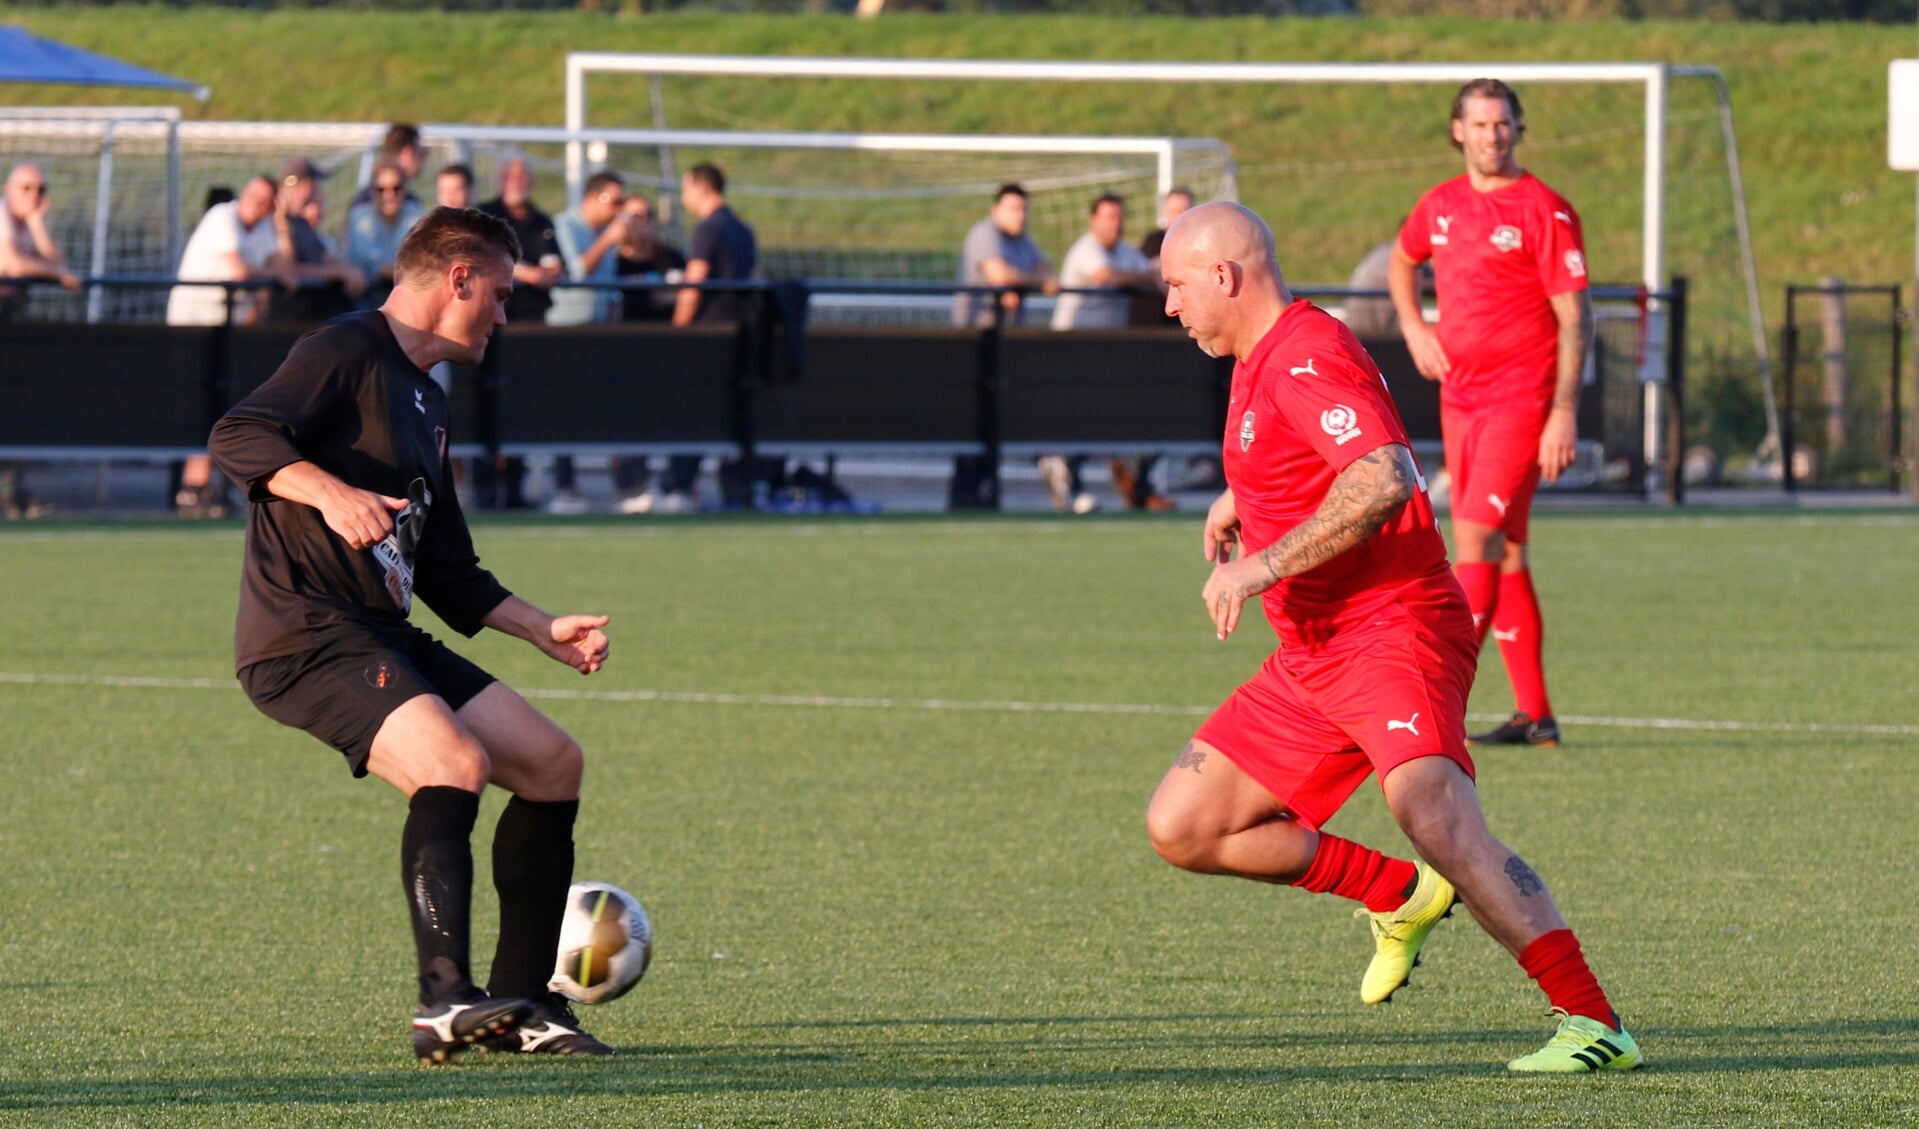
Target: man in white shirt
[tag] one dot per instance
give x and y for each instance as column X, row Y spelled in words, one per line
column 234, row 241
column 1101, row 259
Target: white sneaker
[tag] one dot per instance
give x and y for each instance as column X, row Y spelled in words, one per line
column 566, row 502
column 638, row 503
column 1085, row 503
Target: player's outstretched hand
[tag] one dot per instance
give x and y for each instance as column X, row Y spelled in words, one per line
column 578, row 642
column 1558, row 443
column 361, row 518
column 1222, row 529
column 1429, row 357
column 1230, row 586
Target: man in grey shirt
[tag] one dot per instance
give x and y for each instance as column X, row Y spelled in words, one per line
column 998, row 252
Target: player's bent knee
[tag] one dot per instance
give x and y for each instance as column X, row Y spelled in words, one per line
column 1179, row 834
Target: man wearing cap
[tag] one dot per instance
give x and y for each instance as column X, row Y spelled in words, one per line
column 313, row 261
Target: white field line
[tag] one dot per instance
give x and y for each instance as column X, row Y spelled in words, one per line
column 691, row 697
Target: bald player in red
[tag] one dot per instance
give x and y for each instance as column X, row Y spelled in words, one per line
column 1515, row 322
column 1326, row 523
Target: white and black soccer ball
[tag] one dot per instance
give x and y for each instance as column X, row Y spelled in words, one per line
column 606, row 941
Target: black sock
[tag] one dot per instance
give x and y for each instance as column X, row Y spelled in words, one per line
column 532, row 868
column 436, row 864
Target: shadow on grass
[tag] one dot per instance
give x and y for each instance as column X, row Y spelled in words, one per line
column 956, row 1063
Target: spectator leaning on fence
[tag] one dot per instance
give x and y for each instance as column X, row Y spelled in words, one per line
column 374, row 231
column 642, row 258
column 234, row 241
column 313, row 261
column 1101, row 259
column 998, row 252
column 27, row 250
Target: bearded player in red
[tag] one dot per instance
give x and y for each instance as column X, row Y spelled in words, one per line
column 1515, row 321
column 1376, row 652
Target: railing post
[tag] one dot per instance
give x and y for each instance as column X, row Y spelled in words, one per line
column 1676, row 386
column 1788, row 350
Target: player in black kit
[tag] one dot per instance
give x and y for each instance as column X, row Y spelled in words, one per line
column 344, row 452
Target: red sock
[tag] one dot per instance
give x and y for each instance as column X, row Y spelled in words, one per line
column 1481, row 582
column 1521, row 634
column 1360, row 873
column 1556, row 962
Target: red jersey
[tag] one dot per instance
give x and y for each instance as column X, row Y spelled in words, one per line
column 1305, row 405
column 1498, row 258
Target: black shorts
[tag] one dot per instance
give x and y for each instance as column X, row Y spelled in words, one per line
column 343, row 690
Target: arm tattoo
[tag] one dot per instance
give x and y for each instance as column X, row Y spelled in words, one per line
column 1359, row 503
column 1190, row 757
column 1523, row 877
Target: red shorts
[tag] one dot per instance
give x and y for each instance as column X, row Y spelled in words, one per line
column 1493, row 458
column 1311, row 725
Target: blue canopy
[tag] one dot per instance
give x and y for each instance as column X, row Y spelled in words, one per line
column 26, row 57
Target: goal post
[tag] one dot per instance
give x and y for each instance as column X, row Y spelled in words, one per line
column 1655, row 82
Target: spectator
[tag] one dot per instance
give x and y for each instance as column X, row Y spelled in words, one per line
column 27, row 250
column 589, row 238
column 642, row 258
column 374, row 231
column 236, row 240
column 401, row 146
column 313, row 260
column 453, row 187
column 997, row 252
column 1150, row 309
column 1375, row 318
column 1101, row 259
column 501, row 485
column 540, row 264
column 724, row 250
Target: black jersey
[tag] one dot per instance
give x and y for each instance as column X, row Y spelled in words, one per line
column 348, row 400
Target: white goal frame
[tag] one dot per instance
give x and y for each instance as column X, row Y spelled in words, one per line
column 1654, row 78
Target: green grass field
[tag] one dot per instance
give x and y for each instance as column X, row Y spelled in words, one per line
column 880, row 784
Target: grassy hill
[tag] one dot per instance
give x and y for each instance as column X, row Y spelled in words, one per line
column 1334, row 168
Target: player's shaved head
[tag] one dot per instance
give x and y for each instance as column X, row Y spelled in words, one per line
column 1222, row 277
column 1223, row 230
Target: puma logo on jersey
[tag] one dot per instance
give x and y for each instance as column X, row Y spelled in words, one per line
column 1445, row 224
column 419, row 401
column 1499, row 503
column 1411, row 725
column 1506, row 636
column 1306, row 368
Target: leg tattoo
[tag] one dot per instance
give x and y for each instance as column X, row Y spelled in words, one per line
column 1523, row 877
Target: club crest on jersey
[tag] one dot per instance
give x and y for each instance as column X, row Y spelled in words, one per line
column 1506, row 237
column 1340, row 422
column 1246, row 432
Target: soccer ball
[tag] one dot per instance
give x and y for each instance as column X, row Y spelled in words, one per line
column 606, row 941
